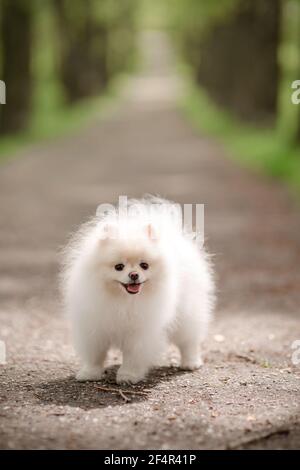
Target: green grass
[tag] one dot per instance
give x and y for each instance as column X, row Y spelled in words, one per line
column 272, row 152
column 269, row 151
column 51, row 119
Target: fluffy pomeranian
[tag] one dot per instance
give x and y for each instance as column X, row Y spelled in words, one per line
column 136, row 283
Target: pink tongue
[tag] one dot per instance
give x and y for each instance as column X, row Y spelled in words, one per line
column 133, row 287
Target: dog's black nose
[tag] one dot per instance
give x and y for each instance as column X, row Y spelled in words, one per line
column 133, row 276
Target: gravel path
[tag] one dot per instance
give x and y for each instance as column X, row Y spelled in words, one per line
column 247, row 395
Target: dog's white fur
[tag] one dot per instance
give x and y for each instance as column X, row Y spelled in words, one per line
column 174, row 304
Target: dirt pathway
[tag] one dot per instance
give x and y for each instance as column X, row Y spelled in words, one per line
column 248, row 392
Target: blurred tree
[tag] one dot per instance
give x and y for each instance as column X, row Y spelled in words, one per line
column 239, row 60
column 290, row 65
column 121, row 21
column 233, row 46
column 16, row 43
column 298, row 64
column 83, row 66
column 297, row 139
column 88, row 30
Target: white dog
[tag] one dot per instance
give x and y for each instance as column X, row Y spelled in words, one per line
column 134, row 283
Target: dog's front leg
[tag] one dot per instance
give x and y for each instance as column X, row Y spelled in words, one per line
column 139, row 355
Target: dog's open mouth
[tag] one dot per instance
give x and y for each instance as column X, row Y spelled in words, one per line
column 133, row 288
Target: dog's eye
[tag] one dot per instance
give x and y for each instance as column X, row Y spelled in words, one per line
column 144, row 265
column 119, row 267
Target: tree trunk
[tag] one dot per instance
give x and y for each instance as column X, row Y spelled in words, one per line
column 238, row 62
column 83, row 65
column 16, row 41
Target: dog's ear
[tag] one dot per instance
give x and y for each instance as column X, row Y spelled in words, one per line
column 108, row 231
column 151, row 232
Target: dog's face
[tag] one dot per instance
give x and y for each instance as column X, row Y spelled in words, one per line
column 130, row 266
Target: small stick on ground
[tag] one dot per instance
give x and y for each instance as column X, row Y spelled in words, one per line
column 118, row 390
column 246, row 358
column 124, row 396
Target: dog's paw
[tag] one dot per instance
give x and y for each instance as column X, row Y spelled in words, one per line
column 128, row 377
column 89, row 373
column 192, row 363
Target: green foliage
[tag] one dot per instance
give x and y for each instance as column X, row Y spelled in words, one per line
column 50, row 114
column 51, row 117
column 154, row 14
column 97, row 41
column 272, row 151
column 197, row 15
column 268, row 151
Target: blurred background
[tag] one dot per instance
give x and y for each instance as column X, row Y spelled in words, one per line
column 60, row 59
column 173, row 97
